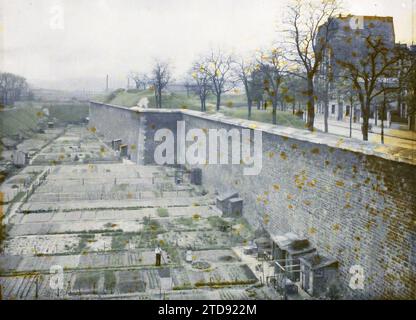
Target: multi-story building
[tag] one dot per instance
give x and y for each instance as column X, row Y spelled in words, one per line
column 347, row 41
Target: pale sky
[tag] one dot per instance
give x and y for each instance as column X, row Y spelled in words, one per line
column 98, row 37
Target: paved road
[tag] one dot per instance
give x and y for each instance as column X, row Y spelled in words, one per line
column 395, row 137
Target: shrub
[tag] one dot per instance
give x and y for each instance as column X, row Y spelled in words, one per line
column 162, row 212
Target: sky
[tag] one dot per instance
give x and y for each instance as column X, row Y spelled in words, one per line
column 74, row 44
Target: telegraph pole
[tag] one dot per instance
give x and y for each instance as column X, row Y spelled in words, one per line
column 106, row 84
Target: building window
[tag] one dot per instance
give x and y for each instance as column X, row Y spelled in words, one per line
column 333, row 109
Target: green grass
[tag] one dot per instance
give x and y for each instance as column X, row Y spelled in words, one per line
column 185, row 221
column 234, row 105
column 283, row 118
column 119, row 241
column 21, row 120
column 109, row 281
column 83, row 241
column 25, row 119
column 68, row 112
column 162, row 212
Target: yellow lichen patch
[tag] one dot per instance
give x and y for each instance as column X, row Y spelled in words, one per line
column 336, row 227
column 300, row 180
column 315, row 151
column 307, row 202
column 61, row 157
column 92, row 129
column 276, row 187
column 347, row 206
column 252, row 126
column 312, row 183
column 290, row 206
column 283, row 155
column 294, row 146
column 102, row 149
column 266, row 219
column 289, row 196
column 339, row 183
column 196, row 216
column 40, row 114
column 271, row 155
column 312, row 230
column 339, row 142
column 133, row 147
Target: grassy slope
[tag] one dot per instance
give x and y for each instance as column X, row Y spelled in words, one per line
column 26, row 118
column 234, row 106
column 69, row 112
column 17, row 121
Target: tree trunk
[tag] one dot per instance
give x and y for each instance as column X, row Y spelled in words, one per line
column 249, row 105
column 310, row 105
column 218, row 101
column 366, row 116
column 156, row 99
column 274, row 112
column 412, row 122
column 326, row 114
column 160, row 98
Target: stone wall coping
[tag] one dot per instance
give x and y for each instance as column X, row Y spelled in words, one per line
column 319, row 138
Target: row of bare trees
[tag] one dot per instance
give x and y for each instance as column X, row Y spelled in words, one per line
column 270, row 75
column 12, row 88
column 299, row 70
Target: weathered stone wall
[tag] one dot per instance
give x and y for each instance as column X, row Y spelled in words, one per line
column 353, row 204
column 117, row 123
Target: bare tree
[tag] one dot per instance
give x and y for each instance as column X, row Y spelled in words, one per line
column 273, row 68
column 308, row 36
column 411, row 93
column 219, row 68
column 159, row 79
column 140, row 80
column 245, row 73
column 202, row 81
column 12, row 88
column 367, row 71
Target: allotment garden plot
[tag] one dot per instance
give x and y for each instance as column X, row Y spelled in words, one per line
column 100, row 218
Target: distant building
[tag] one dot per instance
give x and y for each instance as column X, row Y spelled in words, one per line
column 347, row 40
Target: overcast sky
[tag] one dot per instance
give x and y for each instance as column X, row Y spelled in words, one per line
column 99, row 37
